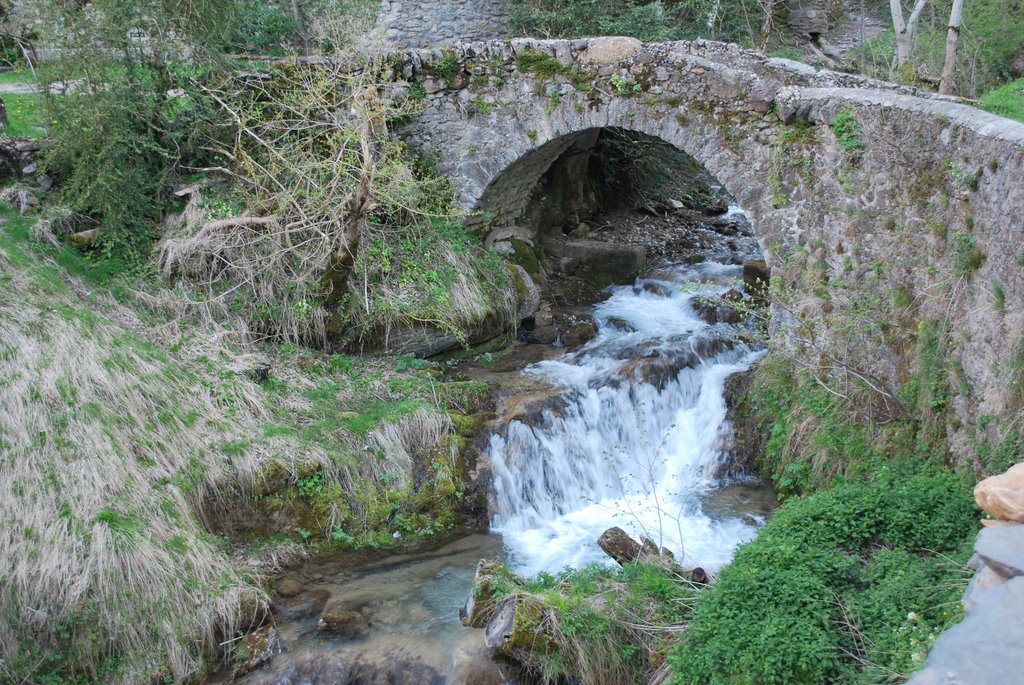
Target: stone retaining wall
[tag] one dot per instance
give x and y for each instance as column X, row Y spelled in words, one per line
column 431, row 23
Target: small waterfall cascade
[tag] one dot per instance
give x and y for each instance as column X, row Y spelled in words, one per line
column 637, row 437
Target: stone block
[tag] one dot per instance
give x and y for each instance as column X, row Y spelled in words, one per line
column 610, row 50
column 1002, row 496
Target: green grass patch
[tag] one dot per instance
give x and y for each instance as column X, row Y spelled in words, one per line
column 1006, row 100
column 24, row 115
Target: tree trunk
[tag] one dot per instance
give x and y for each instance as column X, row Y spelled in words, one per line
column 346, row 249
column 768, row 8
column 902, row 49
column 952, row 36
column 905, row 30
column 300, row 27
column 912, row 22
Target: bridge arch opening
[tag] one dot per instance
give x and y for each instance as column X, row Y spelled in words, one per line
column 606, row 205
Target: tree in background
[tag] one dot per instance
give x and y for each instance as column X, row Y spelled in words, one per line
column 952, row 38
column 125, row 113
column 744, row 21
column 905, row 30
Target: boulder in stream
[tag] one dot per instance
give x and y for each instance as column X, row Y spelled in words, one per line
column 617, row 544
column 343, row 623
column 258, row 647
column 480, row 603
column 300, row 606
column 756, row 277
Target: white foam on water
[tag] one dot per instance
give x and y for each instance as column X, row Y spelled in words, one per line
column 625, row 452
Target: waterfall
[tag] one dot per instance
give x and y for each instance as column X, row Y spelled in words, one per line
column 637, row 440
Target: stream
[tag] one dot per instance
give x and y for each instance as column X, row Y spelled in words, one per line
column 627, row 430
column 637, row 440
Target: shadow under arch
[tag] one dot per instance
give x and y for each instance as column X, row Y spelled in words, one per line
column 560, row 190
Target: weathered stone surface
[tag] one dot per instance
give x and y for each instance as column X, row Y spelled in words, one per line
column 288, row 587
column 985, row 646
column 301, row 606
column 617, row 544
column 258, row 648
column 591, row 257
column 429, row 23
column 1002, row 549
column 1002, row 496
column 579, row 332
column 342, row 622
column 515, row 628
column 762, row 95
column 609, row 50
column 527, row 291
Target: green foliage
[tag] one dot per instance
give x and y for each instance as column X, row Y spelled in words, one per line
column 830, row 584
column 1006, row 100
column 266, row 28
column 967, row 258
column 540, row 64
column 624, row 85
column 117, row 139
column 648, row 21
column 1010, row 451
column 589, row 622
column 439, row 274
column 446, row 67
column 847, row 130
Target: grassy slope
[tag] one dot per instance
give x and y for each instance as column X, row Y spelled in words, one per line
column 122, row 432
column 1006, row 100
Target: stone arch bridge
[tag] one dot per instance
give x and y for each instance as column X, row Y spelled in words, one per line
column 865, row 180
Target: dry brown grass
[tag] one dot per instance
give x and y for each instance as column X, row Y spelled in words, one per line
column 111, row 453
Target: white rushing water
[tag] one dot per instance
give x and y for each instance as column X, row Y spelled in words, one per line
column 639, row 438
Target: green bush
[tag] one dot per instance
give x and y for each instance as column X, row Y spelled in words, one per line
column 117, row 140
column 263, row 27
column 829, row 583
column 116, row 150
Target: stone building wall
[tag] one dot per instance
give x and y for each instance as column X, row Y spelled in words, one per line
column 813, row 16
column 431, row 23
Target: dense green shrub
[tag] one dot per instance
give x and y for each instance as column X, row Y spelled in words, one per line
column 734, row 20
column 116, row 150
column 855, row 575
column 264, row 27
column 116, row 140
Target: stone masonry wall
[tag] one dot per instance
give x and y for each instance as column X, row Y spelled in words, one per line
column 430, row 23
column 813, row 16
column 924, row 179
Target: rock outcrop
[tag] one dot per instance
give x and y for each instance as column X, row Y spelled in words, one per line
column 986, row 646
column 1002, row 496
